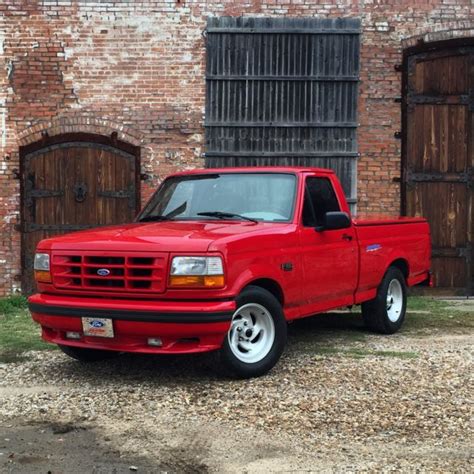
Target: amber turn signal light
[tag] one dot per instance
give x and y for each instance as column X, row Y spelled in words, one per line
column 42, row 276
column 200, row 281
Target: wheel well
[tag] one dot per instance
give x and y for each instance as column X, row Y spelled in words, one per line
column 402, row 265
column 270, row 285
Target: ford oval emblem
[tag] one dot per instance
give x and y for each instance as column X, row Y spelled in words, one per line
column 103, row 272
column 96, row 324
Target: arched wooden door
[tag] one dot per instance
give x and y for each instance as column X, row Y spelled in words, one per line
column 74, row 182
column 438, row 160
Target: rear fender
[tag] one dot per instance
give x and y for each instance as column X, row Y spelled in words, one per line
column 393, row 257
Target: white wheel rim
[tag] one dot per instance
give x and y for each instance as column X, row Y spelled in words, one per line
column 394, row 301
column 251, row 333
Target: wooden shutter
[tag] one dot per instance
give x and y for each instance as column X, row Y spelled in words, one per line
column 283, row 91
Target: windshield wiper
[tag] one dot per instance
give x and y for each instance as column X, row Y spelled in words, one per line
column 180, row 209
column 154, row 218
column 226, row 215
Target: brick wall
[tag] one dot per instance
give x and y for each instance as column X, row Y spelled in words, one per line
column 137, row 67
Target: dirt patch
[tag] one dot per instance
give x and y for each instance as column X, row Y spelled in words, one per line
column 114, row 447
column 57, row 447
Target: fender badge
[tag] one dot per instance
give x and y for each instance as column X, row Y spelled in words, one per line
column 373, row 247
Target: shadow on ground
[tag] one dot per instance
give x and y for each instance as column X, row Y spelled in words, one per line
column 331, row 334
column 315, row 334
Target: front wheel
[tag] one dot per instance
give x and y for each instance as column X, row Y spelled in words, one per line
column 385, row 314
column 257, row 336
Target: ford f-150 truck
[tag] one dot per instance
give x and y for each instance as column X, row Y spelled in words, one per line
column 221, row 260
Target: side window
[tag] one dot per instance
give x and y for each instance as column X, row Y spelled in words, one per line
column 319, row 198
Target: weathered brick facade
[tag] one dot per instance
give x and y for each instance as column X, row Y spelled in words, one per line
column 137, row 67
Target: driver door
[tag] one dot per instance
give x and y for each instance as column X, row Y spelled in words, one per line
column 330, row 262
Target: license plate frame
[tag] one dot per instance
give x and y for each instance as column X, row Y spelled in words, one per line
column 98, row 327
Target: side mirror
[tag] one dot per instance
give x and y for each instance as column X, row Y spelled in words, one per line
column 335, row 220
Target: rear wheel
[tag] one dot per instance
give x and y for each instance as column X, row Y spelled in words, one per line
column 257, row 336
column 385, row 314
column 88, row 355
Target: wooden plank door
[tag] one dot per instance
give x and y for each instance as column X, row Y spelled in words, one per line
column 71, row 186
column 439, row 162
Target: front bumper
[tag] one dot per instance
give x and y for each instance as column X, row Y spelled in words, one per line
column 182, row 326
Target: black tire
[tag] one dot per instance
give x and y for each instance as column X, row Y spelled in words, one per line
column 376, row 311
column 88, row 355
column 235, row 367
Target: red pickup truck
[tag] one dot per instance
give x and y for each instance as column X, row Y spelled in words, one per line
column 221, row 260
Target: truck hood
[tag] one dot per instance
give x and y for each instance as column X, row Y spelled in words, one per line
column 177, row 236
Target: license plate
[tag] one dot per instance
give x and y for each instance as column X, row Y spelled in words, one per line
column 98, row 327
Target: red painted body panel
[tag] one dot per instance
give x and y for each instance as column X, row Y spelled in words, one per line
column 329, row 269
column 131, row 336
column 364, row 221
column 329, row 262
column 382, row 244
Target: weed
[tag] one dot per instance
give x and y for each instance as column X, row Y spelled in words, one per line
column 18, row 332
column 12, row 304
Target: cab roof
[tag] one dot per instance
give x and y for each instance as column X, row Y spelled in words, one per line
column 257, row 169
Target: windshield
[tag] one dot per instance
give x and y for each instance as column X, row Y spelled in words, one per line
column 267, row 197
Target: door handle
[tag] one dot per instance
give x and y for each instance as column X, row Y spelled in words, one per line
column 80, row 192
column 347, row 237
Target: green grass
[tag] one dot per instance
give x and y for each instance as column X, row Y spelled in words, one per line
column 343, row 334
column 12, row 304
column 419, row 303
column 18, row 332
column 435, row 315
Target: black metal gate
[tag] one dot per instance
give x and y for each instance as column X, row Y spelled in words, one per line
column 283, row 91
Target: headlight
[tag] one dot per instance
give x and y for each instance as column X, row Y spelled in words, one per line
column 41, row 261
column 196, row 266
column 41, row 267
column 207, row 272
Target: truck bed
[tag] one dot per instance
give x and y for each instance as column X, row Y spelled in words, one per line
column 386, row 239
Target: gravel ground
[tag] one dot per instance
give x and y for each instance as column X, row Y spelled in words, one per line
column 338, row 401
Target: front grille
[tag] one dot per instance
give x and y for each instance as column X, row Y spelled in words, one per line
column 133, row 272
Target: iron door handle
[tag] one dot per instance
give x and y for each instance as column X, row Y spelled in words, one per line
column 347, row 237
column 80, row 192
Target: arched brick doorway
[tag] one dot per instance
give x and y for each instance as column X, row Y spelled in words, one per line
column 438, row 155
column 71, row 182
